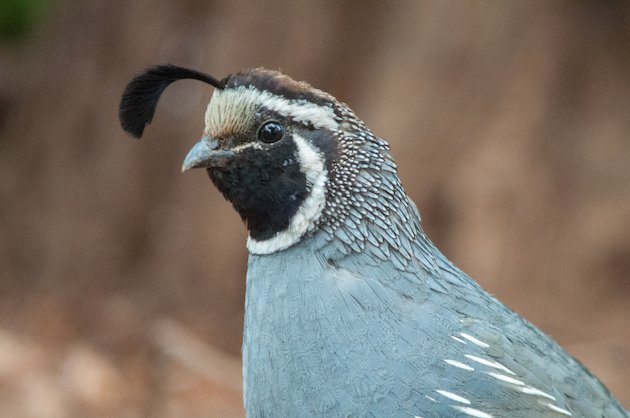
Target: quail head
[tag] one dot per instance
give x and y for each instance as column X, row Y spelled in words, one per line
column 350, row 310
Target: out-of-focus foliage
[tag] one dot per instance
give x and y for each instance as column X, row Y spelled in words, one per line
column 18, row 17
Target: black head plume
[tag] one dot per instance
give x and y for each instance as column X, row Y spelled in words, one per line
column 141, row 95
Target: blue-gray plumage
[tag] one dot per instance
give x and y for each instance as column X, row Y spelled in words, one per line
column 350, row 310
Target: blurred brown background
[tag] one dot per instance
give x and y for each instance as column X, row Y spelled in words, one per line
column 121, row 280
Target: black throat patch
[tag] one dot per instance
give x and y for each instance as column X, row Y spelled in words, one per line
column 266, row 188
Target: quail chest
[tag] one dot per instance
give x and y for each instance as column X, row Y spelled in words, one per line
column 350, row 309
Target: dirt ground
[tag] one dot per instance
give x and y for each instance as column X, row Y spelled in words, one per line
column 122, row 280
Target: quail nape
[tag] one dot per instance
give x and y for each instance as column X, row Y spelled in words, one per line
column 350, row 310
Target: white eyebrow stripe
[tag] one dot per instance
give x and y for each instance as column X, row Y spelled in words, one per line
column 320, row 116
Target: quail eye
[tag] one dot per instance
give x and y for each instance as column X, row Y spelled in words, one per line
column 271, row 132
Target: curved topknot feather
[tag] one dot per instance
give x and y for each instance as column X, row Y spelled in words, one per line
column 141, row 95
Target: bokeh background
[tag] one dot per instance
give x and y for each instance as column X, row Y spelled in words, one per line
column 122, row 280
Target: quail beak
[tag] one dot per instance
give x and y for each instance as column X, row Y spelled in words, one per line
column 206, row 153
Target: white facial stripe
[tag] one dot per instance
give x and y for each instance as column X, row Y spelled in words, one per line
column 234, row 110
column 312, row 165
column 254, row 145
column 302, row 111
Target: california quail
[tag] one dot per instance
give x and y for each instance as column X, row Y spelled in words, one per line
column 350, row 310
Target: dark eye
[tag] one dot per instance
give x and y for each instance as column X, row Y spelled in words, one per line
column 270, row 132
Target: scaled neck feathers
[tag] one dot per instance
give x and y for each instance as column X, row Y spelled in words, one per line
column 367, row 209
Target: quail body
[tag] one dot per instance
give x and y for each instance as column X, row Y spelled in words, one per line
column 350, row 309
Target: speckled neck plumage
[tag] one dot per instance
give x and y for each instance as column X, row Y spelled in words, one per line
column 365, row 201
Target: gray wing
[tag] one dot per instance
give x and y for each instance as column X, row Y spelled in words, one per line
column 493, row 363
column 443, row 347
